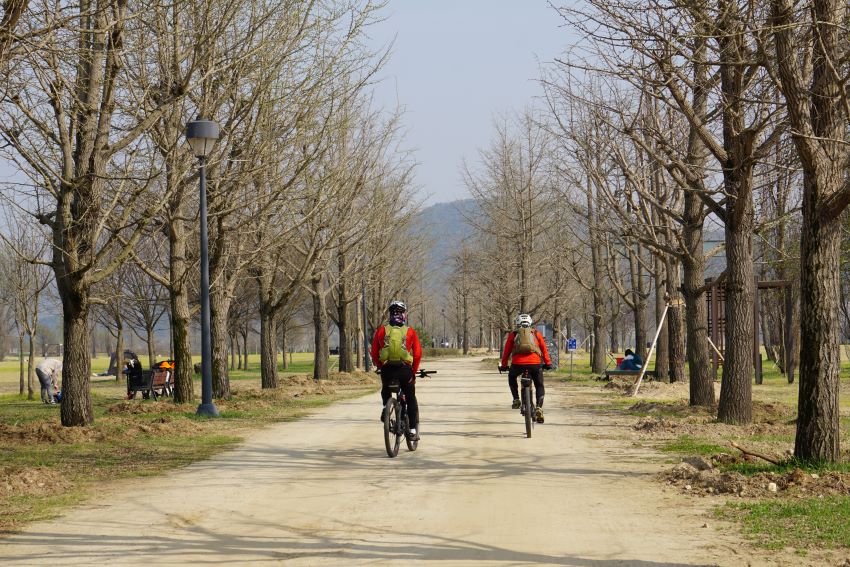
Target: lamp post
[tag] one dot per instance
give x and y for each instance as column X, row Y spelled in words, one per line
column 202, row 135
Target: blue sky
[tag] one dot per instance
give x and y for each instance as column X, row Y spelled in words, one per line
column 455, row 65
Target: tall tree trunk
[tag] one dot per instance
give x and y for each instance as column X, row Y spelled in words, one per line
column 662, row 347
column 219, row 307
column 233, row 351
column 738, row 144
column 358, row 334
column 149, row 342
column 674, row 324
column 21, row 361
column 244, row 332
column 268, row 349
column 480, row 326
column 284, row 346
column 818, row 425
column 119, row 348
column 700, row 369
column 638, row 300
column 178, row 234
column 818, row 116
column 31, row 369
column 320, row 328
column 597, row 358
column 184, row 390
column 346, row 363
column 613, row 340
column 465, row 324
column 736, row 389
column 76, row 408
column 237, row 345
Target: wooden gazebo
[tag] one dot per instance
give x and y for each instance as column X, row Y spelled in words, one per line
column 716, row 300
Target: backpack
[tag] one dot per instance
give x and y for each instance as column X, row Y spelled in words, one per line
column 525, row 341
column 395, row 350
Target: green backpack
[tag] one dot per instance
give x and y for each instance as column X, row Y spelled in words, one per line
column 394, row 350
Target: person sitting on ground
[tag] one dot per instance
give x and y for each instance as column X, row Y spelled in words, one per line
column 397, row 353
column 49, row 371
column 631, row 361
column 526, row 349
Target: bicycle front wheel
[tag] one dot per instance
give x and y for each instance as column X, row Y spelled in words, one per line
column 392, row 437
column 529, row 411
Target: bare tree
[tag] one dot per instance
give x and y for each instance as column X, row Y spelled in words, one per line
column 811, row 69
column 24, row 280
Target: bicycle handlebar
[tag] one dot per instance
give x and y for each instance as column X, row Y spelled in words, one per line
column 420, row 374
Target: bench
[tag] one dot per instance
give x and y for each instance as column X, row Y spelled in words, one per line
column 151, row 383
column 611, row 374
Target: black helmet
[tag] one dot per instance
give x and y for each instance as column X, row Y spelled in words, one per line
column 397, row 306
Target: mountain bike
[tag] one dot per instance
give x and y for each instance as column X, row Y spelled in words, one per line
column 396, row 422
column 526, row 401
column 527, row 407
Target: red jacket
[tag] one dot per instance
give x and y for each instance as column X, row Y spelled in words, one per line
column 411, row 343
column 530, row 358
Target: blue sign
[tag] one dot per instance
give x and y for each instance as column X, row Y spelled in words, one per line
column 572, row 344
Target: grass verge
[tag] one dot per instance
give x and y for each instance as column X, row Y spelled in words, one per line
column 803, row 524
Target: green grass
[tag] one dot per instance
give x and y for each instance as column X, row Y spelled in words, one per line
column 302, row 363
column 788, row 466
column 687, row 445
column 809, row 523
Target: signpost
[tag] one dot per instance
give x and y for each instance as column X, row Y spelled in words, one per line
column 572, row 345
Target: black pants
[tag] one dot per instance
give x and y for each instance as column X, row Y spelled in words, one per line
column 402, row 374
column 534, row 372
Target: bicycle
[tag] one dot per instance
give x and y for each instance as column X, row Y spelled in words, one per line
column 526, row 401
column 396, row 423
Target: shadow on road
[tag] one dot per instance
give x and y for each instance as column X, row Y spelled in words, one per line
column 212, row 548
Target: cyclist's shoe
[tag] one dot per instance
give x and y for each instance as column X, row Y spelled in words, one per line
column 516, row 403
column 538, row 415
column 414, row 435
column 383, row 412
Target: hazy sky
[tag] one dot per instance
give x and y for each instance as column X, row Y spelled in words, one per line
column 455, row 65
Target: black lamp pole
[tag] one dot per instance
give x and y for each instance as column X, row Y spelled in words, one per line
column 202, row 135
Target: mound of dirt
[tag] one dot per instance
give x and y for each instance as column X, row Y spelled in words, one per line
column 654, row 424
column 707, row 478
column 24, row 481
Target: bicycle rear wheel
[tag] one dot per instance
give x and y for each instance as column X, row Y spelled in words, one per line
column 392, row 437
column 411, row 443
column 529, row 411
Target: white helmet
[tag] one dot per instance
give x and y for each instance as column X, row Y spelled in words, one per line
column 398, row 306
column 523, row 320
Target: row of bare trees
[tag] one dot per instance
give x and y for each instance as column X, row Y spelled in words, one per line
column 309, row 192
column 667, row 119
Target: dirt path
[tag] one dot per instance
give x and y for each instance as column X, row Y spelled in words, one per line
column 321, row 491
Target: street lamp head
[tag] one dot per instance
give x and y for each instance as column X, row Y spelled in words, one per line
column 202, row 135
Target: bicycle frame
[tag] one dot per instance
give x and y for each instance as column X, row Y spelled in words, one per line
column 398, row 426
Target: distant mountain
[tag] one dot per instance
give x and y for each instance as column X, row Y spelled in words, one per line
column 445, row 226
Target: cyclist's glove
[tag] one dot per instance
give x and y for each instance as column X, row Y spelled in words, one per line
column 547, row 367
column 503, row 369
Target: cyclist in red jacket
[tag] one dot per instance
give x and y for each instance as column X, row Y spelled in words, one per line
column 397, row 353
column 526, row 349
